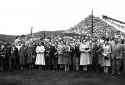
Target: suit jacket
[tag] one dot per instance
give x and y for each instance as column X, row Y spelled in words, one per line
column 115, row 51
column 122, row 51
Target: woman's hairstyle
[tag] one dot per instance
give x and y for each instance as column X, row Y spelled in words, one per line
column 42, row 43
column 122, row 41
column 107, row 39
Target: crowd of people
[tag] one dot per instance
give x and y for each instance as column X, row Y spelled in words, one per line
column 87, row 54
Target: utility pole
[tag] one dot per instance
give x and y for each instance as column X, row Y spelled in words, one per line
column 31, row 31
column 92, row 23
column 44, row 35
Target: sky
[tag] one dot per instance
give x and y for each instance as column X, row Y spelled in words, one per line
column 18, row 16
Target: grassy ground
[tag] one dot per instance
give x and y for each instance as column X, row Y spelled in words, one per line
column 47, row 77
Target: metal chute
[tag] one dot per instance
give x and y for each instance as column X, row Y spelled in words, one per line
column 119, row 25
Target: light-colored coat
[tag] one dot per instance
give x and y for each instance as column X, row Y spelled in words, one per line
column 40, row 58
column 106, row 52
column 60, row 54
column 84, row 54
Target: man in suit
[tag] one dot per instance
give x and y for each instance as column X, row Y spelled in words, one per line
column 12, row 54
column 123, row 55
column 115, row 56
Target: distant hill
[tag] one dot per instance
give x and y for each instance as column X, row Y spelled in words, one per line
column 40, row 34
column 7, row 38
column 100, row 28
column 47, row 33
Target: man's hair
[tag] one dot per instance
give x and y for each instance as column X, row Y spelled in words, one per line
column 17, row 37
column 22, row 35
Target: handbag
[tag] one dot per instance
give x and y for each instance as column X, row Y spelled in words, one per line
column 106, row 57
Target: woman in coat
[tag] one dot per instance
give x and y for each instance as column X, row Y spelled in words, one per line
column 40, row 58
column 84, row 55
column 22, row 56
column 97, row 59
column 55, row 58
column 11, row 51
column 34, row 53
column 76, row 59
column 47, row 55
column 67, row 56
column 30, row 55
column 106, row 56
column 60, row 54
column 123, row 55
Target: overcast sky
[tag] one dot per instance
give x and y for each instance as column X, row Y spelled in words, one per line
column 18, row 16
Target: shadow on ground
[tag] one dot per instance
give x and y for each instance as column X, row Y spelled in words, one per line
column 45, row 77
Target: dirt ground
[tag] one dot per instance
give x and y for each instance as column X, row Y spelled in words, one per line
column 48, row 77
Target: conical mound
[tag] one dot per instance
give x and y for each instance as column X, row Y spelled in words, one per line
column 100, row 28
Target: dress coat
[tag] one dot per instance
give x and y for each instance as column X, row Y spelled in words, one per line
column 3, row 53
column 106, row 53
column 66, row 55
column 30, row 54
column 40, row 58
column 115, row 51
column 22, row 55
column 47, row 55
column 34, row 53
column 12, row 56
column 123, row 56
column 60, row 54
column 76, row 54
column 98, row 53
column 53, row 55
column 84, row 54
column 93, row 51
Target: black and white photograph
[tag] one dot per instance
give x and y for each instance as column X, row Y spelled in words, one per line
column 62, row 42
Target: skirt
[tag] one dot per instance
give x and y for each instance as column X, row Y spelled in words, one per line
column 84, row 59
column 106, row 62
column 40, row 59
column 66, row 59
column 60, row 59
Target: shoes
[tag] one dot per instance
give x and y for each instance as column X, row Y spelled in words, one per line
column 1, row 69
column 118, row 73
